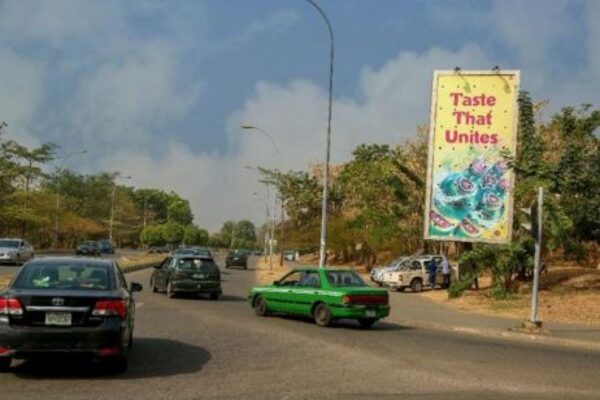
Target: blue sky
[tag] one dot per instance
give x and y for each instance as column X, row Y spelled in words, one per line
column 158, row 89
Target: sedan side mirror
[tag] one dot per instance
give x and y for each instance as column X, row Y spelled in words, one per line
column 136, row 287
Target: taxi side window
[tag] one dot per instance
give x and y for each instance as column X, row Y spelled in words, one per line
column 416, row 266
column 310, row 279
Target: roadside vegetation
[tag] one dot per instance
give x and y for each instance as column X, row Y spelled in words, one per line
column 377, row 198
column 54, row 207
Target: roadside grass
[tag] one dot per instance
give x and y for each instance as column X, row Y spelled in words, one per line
column 568, row 295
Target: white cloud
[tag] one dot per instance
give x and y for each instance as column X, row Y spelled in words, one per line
column 132, row 101
column 278, row 21
column 20, row 94
column 395, row 102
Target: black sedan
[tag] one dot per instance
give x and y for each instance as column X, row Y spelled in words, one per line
column 88, row 248
column 237, row 258
column 68, row 305
column 189, row 274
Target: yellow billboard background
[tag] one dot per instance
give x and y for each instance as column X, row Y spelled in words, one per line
column 473, row 128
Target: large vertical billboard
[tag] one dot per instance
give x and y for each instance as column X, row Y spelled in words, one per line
column 473, row 130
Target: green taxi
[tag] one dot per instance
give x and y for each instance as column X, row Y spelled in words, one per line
column 324, row 294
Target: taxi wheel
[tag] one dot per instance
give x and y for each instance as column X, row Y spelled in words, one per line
column 322, row 315
column 367, row 322
column 260, row 306
column 5, row 364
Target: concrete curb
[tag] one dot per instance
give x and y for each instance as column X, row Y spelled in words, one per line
column 508, row 335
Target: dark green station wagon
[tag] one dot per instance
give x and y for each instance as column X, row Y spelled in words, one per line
column 187, row 274
column 324, row 294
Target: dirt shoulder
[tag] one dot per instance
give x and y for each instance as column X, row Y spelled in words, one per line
column 567, row 295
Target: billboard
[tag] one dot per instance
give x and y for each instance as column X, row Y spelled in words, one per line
column 473, row 127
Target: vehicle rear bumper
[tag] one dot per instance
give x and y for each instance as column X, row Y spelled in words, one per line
column 23, row 342
column 236, row 263
column 360, row 312
column 191, row 286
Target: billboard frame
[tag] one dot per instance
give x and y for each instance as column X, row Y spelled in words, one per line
column 432, row 126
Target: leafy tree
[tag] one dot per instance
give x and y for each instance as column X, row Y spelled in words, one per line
column 194, row 236
column 180, row 211
column 245, row 231
column 152, row 235
column 172, row 232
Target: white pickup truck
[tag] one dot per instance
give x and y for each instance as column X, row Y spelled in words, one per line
column 413, row 273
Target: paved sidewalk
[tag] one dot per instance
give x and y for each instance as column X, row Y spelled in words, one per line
column 413, row 309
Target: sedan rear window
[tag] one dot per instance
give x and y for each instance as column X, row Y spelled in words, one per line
column 67, row 276
column 344, row 278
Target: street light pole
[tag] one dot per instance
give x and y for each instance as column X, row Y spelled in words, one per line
column 323, row 248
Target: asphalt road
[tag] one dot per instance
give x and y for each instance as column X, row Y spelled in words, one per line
column 202, row 349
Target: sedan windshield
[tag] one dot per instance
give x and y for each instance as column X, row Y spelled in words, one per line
column 67, row 276
column 13, row 244
column 344, row 278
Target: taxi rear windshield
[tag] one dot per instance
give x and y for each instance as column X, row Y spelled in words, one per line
column 344, row 279
column 67, row 276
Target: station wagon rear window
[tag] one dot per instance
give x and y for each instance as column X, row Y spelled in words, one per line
column 344, row 279
column 68, row 276
column 194, row 264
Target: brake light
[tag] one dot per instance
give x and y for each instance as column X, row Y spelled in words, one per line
column 108, row 308
column 10, row 306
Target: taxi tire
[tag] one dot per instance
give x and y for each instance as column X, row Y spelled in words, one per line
column 416, row 285
column 322, row 315
column 260, row 306
column 5, row 364
column 366, row 323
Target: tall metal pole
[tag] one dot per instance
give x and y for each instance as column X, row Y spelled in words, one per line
column 112, row 212
column 323, row 249
column 538, row 252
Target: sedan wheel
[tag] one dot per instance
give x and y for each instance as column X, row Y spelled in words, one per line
column 322, row 315
column 260, row 306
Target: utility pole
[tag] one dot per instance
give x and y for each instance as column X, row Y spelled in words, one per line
column 323, row 241
column 537, row 232
column 281, row 247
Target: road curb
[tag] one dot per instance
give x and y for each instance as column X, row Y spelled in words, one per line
column 508, row 335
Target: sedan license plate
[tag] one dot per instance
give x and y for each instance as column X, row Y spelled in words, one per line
column 58, row 318
column 199, row 276
column 370, row 313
